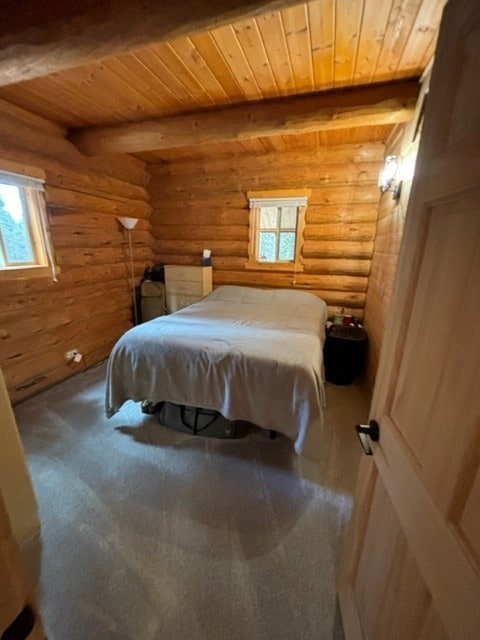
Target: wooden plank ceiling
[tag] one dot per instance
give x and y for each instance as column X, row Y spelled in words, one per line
column 313, row 46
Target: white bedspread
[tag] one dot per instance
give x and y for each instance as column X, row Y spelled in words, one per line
column 250, row 354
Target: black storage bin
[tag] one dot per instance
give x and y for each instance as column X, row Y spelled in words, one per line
column 345, row 350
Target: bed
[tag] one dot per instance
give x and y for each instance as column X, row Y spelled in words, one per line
column 250, row 354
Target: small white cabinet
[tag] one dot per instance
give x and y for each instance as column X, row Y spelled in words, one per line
column 186, row 284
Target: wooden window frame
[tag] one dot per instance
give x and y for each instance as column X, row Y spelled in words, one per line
column 34, row 205
column 293, row 266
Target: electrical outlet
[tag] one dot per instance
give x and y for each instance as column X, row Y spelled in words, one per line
column 70, row 355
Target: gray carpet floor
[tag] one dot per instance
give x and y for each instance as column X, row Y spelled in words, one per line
column 151, row 534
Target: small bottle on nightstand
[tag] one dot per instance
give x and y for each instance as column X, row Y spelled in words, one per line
column 338, row 317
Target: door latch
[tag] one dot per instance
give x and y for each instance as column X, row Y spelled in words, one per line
column 367, row 432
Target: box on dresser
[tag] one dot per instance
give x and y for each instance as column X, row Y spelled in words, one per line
column 186, row 284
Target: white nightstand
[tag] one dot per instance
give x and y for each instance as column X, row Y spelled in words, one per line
column 186, row 284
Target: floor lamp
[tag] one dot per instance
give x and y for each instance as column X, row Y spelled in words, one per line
column 128, row 224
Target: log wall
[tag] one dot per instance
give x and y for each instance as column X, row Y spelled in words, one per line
column 404, row 140
column 391, row 218
column 90, row 305
column 203, row 204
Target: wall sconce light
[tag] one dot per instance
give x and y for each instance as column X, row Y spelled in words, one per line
column 386, row 180
column 129, row 224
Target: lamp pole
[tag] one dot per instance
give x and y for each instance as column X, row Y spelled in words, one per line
column 129, row 224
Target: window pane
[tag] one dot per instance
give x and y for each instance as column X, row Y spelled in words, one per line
column 268, row 217
column 267, row 246
column 289, row 217
column 287, row 246
column 13, row 223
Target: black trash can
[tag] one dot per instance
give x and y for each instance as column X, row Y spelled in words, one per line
column 344, row 352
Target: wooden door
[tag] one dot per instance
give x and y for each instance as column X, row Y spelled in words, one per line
column 411, row 567
column 19, row 617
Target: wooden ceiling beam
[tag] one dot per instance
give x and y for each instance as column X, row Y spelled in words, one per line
column 371, row 106
column 39, row 38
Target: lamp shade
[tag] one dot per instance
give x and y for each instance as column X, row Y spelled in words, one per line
column 128, row 223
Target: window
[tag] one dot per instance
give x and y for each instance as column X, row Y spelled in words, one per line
column 276, row 229
column 23, row 237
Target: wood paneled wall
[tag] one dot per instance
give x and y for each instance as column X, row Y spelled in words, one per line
column 90, row 305
column 203, row 204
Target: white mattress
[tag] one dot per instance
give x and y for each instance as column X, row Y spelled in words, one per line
column 250, row 354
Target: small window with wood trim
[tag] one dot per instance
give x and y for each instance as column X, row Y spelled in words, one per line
column 277, row 221
column 24, row 243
